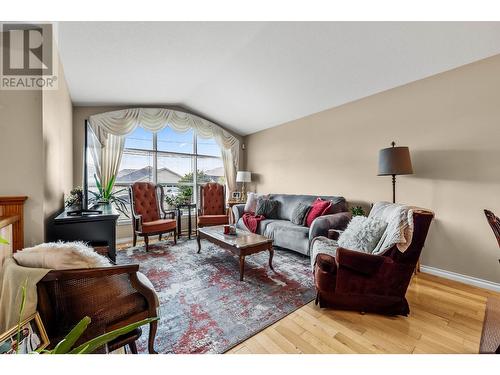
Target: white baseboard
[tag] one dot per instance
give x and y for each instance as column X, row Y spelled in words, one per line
column 474, row 281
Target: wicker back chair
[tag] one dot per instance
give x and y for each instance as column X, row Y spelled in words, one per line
column 494, row 222
column 112, row 297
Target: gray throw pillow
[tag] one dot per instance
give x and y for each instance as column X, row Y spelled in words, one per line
column 267, row 208
column 299, row 213
column 362, row 234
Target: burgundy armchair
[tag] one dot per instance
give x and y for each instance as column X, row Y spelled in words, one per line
column 146, row 218
column 212, row 205
column 353, row 280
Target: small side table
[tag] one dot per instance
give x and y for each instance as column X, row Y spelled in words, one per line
column 189, row 206
column 230, row 204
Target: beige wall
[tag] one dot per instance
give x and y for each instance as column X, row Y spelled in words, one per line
column 36, row 152
column 21, row 151
column 450, row 121
column 58, row 145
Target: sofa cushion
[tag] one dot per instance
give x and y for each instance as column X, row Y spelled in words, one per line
column 260, row 228
column 299, row 213
column 362, row 234
column 289, row 201
column 318, row 208
column 288, row 235
column 251, row 203
column 267, row 208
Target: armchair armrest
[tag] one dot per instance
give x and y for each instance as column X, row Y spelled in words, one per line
column 88, row 273
column 169, row 214
column 334, row 234
column 322, row 224
column 238, row 211
column 367, row 264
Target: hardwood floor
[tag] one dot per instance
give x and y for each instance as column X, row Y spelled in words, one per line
column 445, row 317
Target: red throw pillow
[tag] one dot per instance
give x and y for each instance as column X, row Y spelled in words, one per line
column 318, row 208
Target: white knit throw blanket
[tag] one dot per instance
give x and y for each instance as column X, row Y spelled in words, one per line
column 399, row 229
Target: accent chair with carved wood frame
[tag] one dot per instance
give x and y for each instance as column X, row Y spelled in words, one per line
column 146, row 218
column 212, row 209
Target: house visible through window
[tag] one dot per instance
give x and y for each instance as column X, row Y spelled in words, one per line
column 168, row 158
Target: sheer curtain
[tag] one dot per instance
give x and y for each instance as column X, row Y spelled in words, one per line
column 108, row 130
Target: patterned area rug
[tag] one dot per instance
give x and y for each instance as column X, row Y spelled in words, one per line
column 204, row 308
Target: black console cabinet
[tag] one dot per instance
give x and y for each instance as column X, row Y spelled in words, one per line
column 96, row 229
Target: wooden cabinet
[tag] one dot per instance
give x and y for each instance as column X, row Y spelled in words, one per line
column 96, row 229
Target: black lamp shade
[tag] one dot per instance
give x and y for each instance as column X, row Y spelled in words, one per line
column 394, row 161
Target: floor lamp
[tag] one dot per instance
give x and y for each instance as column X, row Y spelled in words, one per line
column 393, row 161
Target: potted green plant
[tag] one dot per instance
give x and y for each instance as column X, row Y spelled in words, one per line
column 106, row 195
column 183, row 197
column 358, row 211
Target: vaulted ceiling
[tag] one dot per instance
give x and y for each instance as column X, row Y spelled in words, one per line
column 249, row 76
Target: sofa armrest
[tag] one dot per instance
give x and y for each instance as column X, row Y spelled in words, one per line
column 238, row 211
column 367, row 264
column 322, row 224
column 334, row 234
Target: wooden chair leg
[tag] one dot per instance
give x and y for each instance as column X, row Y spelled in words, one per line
column 134, row 242
column 175, row 236
column 159, row 237
column 146, row 240
column 133, row 347
column 152, row 334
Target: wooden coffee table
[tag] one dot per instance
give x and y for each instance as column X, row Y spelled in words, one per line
column 243, row 243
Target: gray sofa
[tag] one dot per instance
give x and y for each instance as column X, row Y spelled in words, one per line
column 296, row 237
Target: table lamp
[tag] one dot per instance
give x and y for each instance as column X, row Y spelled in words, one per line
column 243, row 176
column 393, row 161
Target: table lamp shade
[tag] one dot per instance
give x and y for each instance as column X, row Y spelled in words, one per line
column 394, row 161
column 243, row 176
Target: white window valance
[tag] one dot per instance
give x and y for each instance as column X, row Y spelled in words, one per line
column 125, row 121
column 110, row 128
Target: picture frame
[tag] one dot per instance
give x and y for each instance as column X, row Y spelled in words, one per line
column 236, row 195
column 32, row 337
